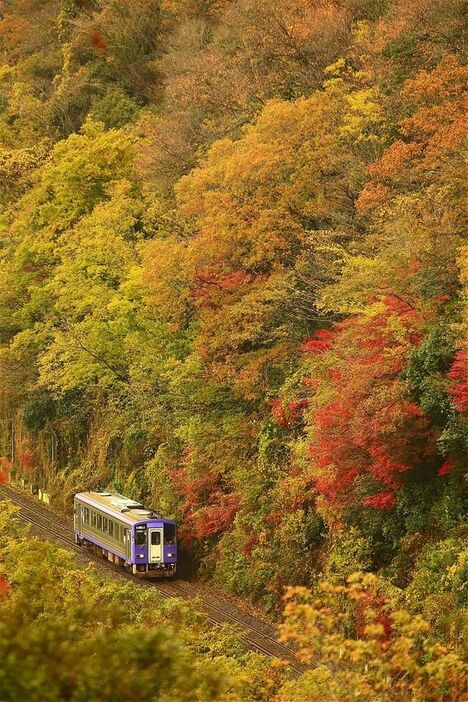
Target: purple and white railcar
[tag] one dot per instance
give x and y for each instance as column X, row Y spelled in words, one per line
column 126, row 533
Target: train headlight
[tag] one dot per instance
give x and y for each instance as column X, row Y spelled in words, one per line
column 140, row 555
column 169, row 555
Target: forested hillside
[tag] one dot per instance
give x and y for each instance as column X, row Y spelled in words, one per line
column 233, row 268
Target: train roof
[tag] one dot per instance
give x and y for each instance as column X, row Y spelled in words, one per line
column 123, row 508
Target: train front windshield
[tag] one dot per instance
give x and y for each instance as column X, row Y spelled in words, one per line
column 140, row 536
column 169, row 534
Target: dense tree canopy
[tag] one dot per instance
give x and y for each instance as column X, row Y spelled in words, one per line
column 233, row 270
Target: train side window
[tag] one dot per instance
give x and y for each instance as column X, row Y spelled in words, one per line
column 93, row 519
column 111, row 527
column 86, row 515
column 99, row 522
column 104, row 523
column 169, row 534
column 140, row 536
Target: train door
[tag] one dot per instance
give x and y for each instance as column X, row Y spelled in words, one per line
column 155, row 552
column 127, row 542
column 77, row 508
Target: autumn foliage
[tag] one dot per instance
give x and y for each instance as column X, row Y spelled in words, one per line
column 459, row 376
column 233, row 270
column 365, row 644
column 207, row 510
column 369, row 405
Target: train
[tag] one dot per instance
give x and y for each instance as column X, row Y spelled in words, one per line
column 126, row 533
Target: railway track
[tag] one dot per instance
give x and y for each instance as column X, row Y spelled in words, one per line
column 255, row 634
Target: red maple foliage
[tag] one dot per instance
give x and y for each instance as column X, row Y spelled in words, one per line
column 382, row 500
column 320, row 342
column 4, row 586
column 208, row 510
column 26, row 460
column 98, row 40
column 373, row 602
column 370, row 425
column 287, row 415
column 250, row 545
column 446, row 468
column 5, row 466
column 211, row 519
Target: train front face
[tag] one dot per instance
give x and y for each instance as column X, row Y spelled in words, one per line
column 154, row 548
